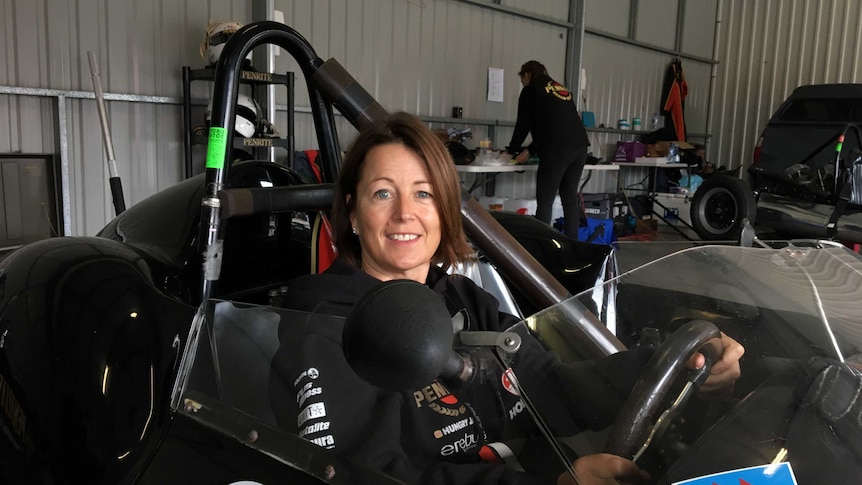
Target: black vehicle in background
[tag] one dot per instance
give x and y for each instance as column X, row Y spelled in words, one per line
column 802, row 175
column 805, row 164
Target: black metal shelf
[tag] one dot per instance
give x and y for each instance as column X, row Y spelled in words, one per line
column 257, row 145
column 248, row 77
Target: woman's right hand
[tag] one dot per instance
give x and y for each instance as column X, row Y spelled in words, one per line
column 604, row 469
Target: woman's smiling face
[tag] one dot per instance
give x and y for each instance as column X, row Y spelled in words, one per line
column 395, row 215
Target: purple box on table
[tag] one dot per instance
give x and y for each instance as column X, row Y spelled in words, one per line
column 628, row 151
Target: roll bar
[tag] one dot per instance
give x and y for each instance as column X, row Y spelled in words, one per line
column 330, row 84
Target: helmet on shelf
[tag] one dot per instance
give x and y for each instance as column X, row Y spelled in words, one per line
column 248, row 116
column 217, row 33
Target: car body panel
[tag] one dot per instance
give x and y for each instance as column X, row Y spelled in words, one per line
column 798, row 161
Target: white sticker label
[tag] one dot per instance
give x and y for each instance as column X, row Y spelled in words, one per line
column 776, row 474
column 313, row 411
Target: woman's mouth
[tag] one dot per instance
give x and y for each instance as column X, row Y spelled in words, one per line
column 403, row 237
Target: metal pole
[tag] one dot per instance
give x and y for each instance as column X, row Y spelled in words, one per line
column 116, row 185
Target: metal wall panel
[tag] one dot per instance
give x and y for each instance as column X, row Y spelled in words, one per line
column 698, row 27
column 626, row 89
column 766, row 48
column 656, row 22
column 610, row 16
column 422, row 56
column 140, row 46
column 553, row 9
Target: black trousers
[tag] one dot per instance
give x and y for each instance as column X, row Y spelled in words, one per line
column 563, row 174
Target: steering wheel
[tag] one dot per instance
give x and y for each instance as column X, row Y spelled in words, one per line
column 633, row 423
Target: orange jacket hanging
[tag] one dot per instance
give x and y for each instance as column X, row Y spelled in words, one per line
column 674, row 102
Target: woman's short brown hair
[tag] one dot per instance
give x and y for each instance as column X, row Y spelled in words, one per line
column 405, row 129
column 533, row 68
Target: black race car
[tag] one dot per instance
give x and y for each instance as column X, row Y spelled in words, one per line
column 143, row 355
column 93, row 329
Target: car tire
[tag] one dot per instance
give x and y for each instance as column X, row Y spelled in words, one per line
column 719, row 206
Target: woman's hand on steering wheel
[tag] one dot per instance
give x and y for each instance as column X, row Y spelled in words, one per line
column 724, row 372
column 602, row 469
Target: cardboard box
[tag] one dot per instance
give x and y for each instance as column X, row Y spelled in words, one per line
column 646, row 226
column 628, row 151
column 660, row 148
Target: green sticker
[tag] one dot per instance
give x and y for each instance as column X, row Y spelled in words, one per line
column 216, row 147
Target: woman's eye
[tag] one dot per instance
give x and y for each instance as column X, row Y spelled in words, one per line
column 424, row 195
column 382, row 194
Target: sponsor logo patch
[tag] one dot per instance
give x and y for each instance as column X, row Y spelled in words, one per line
column 311, row 373
column 312, row 411
column 456, row 426
column 327, row 441
column 517, row 409
column 468, row 442
column 558, row 90
column 437, row 398
column 510, row 382
column 314, row 428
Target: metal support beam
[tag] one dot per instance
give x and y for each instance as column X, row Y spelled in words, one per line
column 575, row 48
column 518, row 13
column 264, row 61
column 680, row 24
column 53, row 93
column 61, row 134
column 644, row 45
column 633, row 19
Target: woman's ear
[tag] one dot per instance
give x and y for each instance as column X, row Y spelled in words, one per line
column 350, row 210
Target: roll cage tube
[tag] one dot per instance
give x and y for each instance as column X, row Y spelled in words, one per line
column 359, row 107
column 225, row 92
column 836, row 186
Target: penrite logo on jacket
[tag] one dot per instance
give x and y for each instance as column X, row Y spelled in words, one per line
column 439, row 400
column 558, row 90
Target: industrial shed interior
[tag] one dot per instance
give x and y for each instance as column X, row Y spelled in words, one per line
column 741, row 59
column 453, row 242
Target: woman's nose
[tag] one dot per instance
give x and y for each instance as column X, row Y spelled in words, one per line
column 406, row 208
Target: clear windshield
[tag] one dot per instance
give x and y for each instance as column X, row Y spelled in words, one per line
column 796, row 311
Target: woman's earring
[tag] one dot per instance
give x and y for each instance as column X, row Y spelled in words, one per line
column 354, row 231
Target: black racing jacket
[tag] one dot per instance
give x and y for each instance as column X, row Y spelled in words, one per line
column 433, row 435
column 547, row 109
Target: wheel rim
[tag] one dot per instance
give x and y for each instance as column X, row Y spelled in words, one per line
column 719, row 211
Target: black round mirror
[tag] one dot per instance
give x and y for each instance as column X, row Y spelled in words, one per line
column 399, row 336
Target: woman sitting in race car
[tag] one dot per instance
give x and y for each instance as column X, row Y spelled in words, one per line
column 397, row 216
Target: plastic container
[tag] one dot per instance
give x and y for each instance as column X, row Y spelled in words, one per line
column 623, row 124
column 636, row 123
column 673, row 153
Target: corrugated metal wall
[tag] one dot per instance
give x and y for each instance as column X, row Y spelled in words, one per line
column 140, row 46
column 422, row 56
column 766, row 48
column 425, row 56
